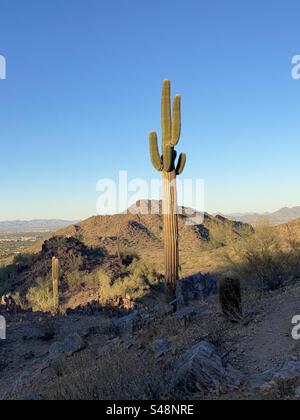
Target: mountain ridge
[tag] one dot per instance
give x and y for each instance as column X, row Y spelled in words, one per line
column 281, row 216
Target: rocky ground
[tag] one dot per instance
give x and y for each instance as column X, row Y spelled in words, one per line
column 192, row 353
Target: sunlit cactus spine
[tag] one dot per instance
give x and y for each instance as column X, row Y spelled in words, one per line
column 169, row 166
column 55, row 284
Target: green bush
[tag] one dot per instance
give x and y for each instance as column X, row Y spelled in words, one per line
column 20, row 301
column 77, row 280
column 23, row 260
column 40, row 297
column 136, row 284
column 74, row 281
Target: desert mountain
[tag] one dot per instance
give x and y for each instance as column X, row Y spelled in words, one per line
column 142, row 233
column 101, row 239
column 281, row 216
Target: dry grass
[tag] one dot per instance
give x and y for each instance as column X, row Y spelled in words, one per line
column 110, row 377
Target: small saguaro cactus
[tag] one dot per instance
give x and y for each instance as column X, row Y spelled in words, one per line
column 55, row 284
column 231, row 298
column 166, row 163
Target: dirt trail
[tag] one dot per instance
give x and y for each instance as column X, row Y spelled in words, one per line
column 267, row 341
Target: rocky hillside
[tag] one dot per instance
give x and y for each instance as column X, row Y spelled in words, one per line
column 99, row 242
column 191, row 354
column 142, row 233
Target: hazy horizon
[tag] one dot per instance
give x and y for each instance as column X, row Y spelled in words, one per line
column 231, row 213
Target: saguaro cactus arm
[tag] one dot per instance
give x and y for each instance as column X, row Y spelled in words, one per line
column 166, row 113
column 154, row 152
column 181, row 164
column 171, row 131
column 176, row 124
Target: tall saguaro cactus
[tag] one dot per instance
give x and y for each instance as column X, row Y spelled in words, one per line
column 166, row 163
column 55, row 284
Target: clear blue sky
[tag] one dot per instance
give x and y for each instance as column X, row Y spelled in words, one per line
column 83, row 91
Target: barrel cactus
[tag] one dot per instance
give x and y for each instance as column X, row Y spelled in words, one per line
column 231, row 298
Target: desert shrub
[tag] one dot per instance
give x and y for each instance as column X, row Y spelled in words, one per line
column 20, row 300
column 91, row 280
column 105, row 287
column 7, row 277
column 128, row 257
column 136, row 284
column 265, row 259
column 77, row 280
column 74, row 281
column 40, row 297
column 140, row 269
column 222, row 234
column 121, row 287
column 73, row 262
column 111, row 377
column 9, row 274
column 47, row 330
column 23, row 261
column 55, row 243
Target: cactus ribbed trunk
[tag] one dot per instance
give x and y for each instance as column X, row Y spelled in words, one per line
column 55, row 285
column 170, row 228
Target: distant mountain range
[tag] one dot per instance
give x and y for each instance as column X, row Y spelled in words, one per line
column 34, row 225
column 281, row 216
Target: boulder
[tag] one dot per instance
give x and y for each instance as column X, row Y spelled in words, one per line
column 160, row 347
column 71, row 345
column 127, row 324
column 163, row 309
column 274, row 382
column 201, row 369
column 196, row 287
column 185, row 315
column 8, row 306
